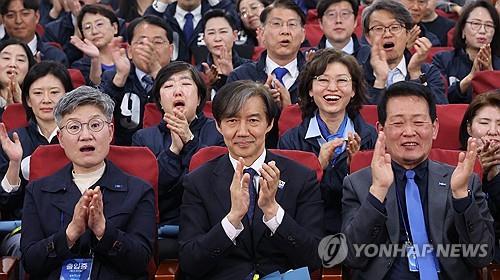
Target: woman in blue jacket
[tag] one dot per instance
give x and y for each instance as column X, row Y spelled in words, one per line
column 180, row 94
column 332, row 90
column 476, row 48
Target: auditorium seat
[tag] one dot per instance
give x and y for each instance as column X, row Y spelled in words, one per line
column 484, row 81
column 77, row 78
column 449, row 117
column 14, row 116
column 434, row 50
column 369, row 114
column 291, row 116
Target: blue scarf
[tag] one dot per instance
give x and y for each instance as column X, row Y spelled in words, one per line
column 323, row 128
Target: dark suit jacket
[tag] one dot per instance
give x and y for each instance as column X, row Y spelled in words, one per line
column 207, row 253
column 364, row 224
column 126, row 247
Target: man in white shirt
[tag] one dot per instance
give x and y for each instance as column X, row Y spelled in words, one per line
column 20, row 18
column 249, row 212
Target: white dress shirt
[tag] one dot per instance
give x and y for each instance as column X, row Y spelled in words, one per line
column 290, row 77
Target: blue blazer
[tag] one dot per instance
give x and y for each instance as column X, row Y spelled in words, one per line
column 127, row 245
column 207, row 253
column 11, row 204
column 333, row 175
column 434, row 81
column 172, row 167
column 455, row 65
column 130, row 101
column 195, row 48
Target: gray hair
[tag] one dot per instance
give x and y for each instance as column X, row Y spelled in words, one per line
column 401, row 14
column 84, row 95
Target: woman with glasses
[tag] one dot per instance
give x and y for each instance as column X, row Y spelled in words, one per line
column 98, row 26
column 180, row 95
column 482, row 121
column 476, row 48
column 249, row 11
column 332, row 90
column 43, row 86
column 15, row 61
column 89, row 220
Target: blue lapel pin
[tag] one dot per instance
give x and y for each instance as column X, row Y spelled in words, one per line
column 281, row 184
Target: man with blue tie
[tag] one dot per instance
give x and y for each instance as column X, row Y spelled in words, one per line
column 413, row 203
column 249, row 212
column 279, row 66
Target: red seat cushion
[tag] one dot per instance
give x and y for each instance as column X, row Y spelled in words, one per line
column 14, row 116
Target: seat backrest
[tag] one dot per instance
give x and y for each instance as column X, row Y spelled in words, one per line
column 450, row 35
column 152, row 116
column 363, row 159
column 207, row 110
column 484, row 81
column 47, row 159
column 434, row 50
column 449, row 117
column 291, row 116
column 369, row 114
column 77, row 78
column 307, row 159
column 14, row 116
column 313, row 33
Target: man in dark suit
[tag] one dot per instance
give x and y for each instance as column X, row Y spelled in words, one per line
column 278, row 66
column 250, row 211
column 409, row 201
column 20, row 18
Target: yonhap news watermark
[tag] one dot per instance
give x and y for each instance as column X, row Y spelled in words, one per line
column 333, row 250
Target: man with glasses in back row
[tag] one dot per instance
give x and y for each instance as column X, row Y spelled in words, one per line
column 131, row 83
column 387, row 26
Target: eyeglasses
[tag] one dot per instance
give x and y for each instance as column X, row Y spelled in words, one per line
column 293, row 24
column 253, row 8
column 344, row 14
column 476, row 26
column 394, row 29
column 157, row 41
column 98, row 25
column 341, row 81
column 74, row 127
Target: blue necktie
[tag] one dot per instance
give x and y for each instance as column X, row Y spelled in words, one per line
column 252, row 193
column 147, row 82
column 426, row 264
column 280, row 72
column 188, row 27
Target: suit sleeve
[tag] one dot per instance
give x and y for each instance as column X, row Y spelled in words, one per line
column 362, row 223
column 475, row 225
column 41, row 254
column 299, row 233
column 130, row 249
column 202, row 246
column 435, row 83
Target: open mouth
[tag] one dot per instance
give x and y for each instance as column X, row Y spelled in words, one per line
column 86, row 149
column 331, row 98
column 410, row 144
column 284, row 43
column 11, row 72
column 179, row 104
column 388, row 45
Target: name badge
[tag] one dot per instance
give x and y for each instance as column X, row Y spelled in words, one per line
column 76, row 269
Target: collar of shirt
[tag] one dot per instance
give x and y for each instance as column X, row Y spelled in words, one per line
column 348, row 49
column 74, row 20
column 420, row 171
column 85, row 181
column 2, row 31
column 402, row 71
column 256, row 165
column 33, row 45
column 140, row 74
column 290, row 77
column 180, row 13
column 314, row 132
column 51, row 136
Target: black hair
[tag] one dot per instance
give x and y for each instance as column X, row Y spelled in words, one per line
column 323, row 5
column 13, row 41
column 406, row 88
column 283, row 4
column 41, row 70
column 175, row 67
column 218, row 13
column 149, row 19
column 97, row 9
column 28, row 4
